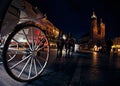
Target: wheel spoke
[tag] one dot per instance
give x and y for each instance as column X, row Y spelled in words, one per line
column 39, row 62
column 42, row 47
column 11, row 57
column 20, row 62
column 36, row 41
column 27, row 39
column 30, row 68
column 24, row 67
column 41, row 43
column 35, row 67
column 19, row 43
column 32, row 34
column 39, row 46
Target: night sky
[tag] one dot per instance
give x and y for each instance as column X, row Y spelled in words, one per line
column 74, row 15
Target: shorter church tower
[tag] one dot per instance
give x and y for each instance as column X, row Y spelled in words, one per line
column 102, row 27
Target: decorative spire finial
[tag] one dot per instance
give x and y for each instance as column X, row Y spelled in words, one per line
column 93, row 15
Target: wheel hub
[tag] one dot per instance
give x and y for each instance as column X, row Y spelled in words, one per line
column 35, row 53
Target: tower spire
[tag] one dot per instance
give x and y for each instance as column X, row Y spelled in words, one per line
column 94, row 15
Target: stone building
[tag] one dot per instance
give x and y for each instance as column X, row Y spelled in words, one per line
column 97, row 33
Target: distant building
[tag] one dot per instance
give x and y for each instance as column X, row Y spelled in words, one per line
column 84, row 41
column 116, row 43
column 96, row 35
column 97, row 30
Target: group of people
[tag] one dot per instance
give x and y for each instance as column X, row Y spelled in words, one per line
column 67, row 44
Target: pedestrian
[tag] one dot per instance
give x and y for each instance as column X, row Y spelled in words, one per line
column 109, row 44
column 69, row 44
column 60, row 44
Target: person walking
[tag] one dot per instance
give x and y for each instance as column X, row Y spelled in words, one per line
column 60, row 44
column 69, row 44
column 109, row 44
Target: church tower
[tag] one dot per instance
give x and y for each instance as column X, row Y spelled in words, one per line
column 102, row 27
column 97, row 29
column 93, row 26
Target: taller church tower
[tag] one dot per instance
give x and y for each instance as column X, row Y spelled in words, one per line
column 94, row 27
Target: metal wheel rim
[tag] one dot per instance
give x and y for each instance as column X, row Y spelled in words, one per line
column 32, row 56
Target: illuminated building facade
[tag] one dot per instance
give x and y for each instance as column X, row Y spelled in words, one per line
column 97, row 30
column 96, row 36
column 116, row 43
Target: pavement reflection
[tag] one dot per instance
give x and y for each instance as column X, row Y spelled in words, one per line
column 82, row 69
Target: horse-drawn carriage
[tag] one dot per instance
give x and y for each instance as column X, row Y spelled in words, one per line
column 25, row 51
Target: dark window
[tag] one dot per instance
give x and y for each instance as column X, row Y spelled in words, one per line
column 99, row 31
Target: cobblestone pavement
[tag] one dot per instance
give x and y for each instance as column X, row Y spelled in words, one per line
column 81, row 69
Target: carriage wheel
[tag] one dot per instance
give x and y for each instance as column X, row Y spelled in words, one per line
column 26, row 52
